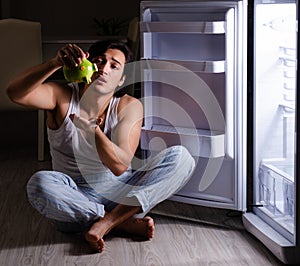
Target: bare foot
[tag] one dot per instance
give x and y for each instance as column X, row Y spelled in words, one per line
column 134, row 227
column 95, row 235
column 137, row 227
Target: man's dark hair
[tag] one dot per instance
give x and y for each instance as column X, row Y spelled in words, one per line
column 100, row 47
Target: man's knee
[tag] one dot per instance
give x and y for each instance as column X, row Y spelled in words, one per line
column 35, row 188
column 182, row 157
column 35, row 182
column 38, row 182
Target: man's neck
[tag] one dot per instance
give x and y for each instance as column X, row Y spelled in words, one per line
column 93, row 105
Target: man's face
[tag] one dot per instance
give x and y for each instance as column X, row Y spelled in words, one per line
column 110, row 71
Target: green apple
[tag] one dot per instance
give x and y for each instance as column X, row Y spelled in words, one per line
column 82, row 73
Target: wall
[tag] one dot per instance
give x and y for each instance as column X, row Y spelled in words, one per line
column 60, row 20
column 18, row 128
column 68, row 17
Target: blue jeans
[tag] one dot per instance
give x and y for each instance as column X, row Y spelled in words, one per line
column 73, row 204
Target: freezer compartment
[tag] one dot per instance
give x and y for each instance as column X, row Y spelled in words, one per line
column 201, row 143
column 276, row 188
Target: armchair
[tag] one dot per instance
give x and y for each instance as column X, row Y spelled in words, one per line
column 20, row 48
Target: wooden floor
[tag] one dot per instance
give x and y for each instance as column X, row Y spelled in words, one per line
column 204, row 238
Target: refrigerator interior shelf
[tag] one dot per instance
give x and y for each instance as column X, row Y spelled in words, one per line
column 200, row 143
column 289, row 51
column 194, row 66
column 288, row 62
column 207, row 27
column 288, row 109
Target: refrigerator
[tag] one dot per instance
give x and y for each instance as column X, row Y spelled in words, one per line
column 220, row 78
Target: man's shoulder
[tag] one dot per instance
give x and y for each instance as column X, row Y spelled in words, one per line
column 127, row 99
column 131, row 102
column 60, row 88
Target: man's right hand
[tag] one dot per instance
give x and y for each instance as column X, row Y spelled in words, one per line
column 70, row 55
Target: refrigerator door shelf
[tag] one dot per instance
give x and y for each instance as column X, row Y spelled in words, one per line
column 207, row 27
column 276, row 191
column 196, row 66
column 200, row 143
column 186, row 10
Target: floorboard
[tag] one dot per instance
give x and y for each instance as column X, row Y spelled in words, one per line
column 204, row 237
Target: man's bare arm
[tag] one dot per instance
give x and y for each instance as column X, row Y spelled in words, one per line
column 117, row 154
column 30, row 89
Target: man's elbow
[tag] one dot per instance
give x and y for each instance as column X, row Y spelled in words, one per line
column 119, row 170
column 10, row 92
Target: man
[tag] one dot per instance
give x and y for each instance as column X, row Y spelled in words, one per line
column 93, row 132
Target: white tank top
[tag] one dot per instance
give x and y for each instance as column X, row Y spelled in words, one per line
column 71, row 153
